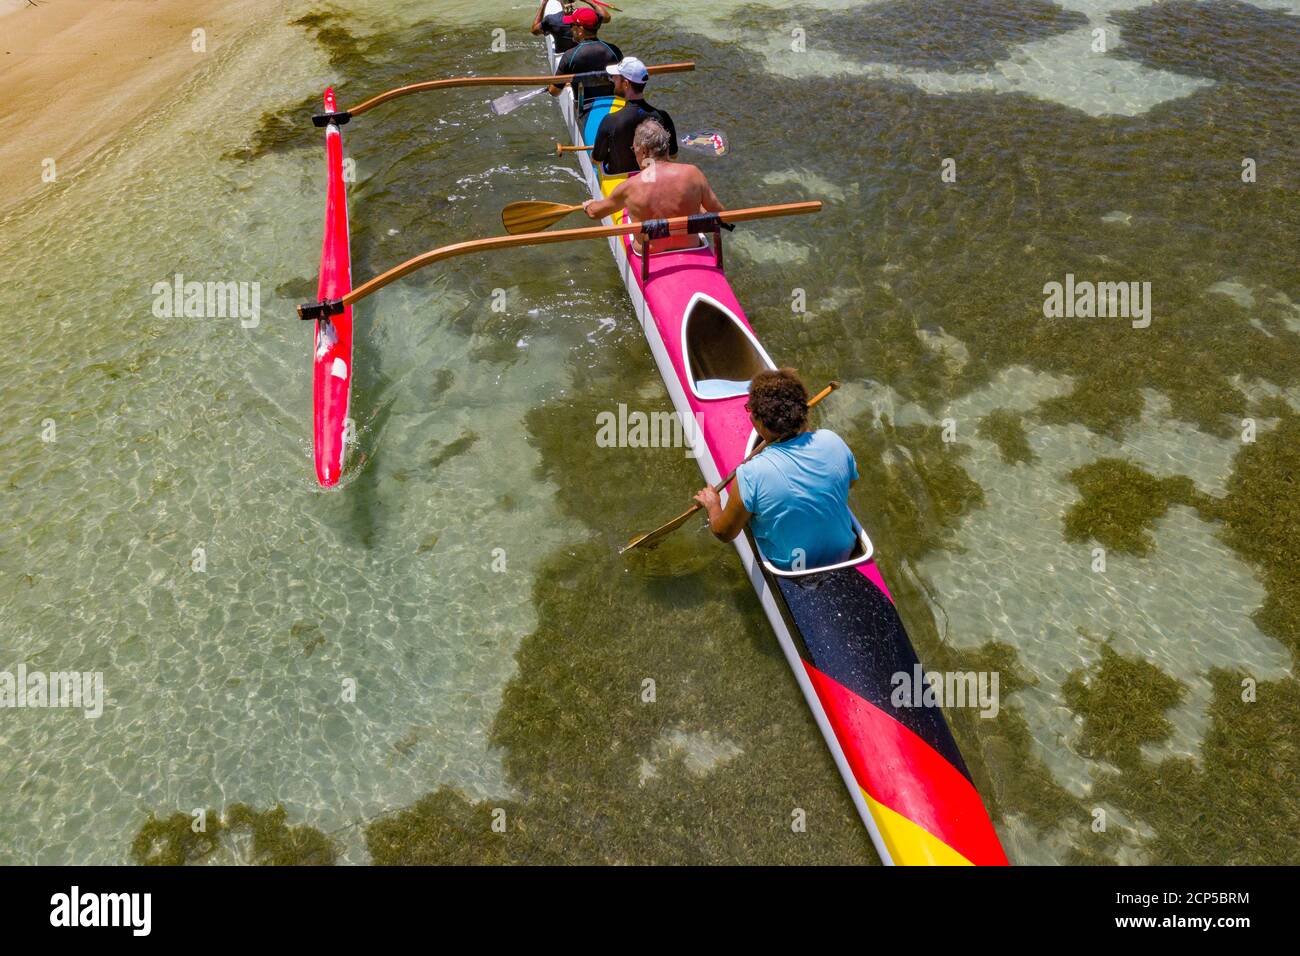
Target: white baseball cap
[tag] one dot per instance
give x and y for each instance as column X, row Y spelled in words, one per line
column 630, row 68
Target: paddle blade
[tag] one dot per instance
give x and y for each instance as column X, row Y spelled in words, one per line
column 533, row 215
column 510, row 102
column 710, row 141
column 652, row 538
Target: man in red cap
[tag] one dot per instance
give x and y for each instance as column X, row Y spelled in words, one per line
column 589, row 55
column 556, row 26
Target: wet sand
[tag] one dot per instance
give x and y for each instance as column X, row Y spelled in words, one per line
column 76, row 73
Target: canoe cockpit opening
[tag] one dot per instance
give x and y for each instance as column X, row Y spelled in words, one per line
column 862, row 552
column 720, row 353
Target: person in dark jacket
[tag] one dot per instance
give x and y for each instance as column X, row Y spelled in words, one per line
column 555, row 26
column 590, row 55
column 613, row 145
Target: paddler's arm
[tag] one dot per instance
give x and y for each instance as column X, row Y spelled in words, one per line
column 537, row 20
column 708, row 199
column 600, row 151
column 724, row 522
column 561, row 68
column 600, row 208
column 666, row 120
column 601, row 11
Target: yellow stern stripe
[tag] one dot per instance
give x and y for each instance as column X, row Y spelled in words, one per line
column 909, row 844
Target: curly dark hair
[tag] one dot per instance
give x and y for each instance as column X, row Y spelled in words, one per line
column 778, row 399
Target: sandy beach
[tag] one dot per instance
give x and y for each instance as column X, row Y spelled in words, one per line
column 102, row 64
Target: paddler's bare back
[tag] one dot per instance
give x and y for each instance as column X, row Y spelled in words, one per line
column 667, row 189
column 662, row 190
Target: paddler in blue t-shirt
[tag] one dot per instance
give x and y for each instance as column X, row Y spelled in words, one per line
column 794, row 494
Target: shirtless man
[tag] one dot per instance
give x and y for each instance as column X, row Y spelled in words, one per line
column 663, row 189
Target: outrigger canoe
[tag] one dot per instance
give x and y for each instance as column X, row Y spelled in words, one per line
column 332, row 352
column 837, row 626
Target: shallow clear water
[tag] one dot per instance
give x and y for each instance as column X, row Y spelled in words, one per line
column 464, row 575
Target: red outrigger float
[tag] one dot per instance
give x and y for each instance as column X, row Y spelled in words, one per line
column 332, row 354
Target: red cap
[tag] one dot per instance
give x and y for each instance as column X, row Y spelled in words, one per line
column 585, row 16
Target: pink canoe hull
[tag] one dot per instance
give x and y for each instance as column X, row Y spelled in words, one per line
column 676, row 278
column 837, row 626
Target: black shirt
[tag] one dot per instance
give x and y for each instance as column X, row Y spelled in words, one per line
column 587, row 56
column 613, row 144
column 559, row 31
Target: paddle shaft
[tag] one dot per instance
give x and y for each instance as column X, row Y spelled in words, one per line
column 764, row 443
column 759, row 447
column 653, row 537
column 675, row 225
column 702, row 142
column 462, row 81
column 598, row 3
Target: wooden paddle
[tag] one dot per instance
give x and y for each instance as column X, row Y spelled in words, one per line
column 652, row 538
column 711, row 142
column 343, row 116
column 599, row 3
column 677, row 225
column 533, row 215
column 509, row 102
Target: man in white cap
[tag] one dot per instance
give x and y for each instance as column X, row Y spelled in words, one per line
column 613, row 145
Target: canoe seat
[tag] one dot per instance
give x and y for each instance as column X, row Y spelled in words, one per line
column 862, row 553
